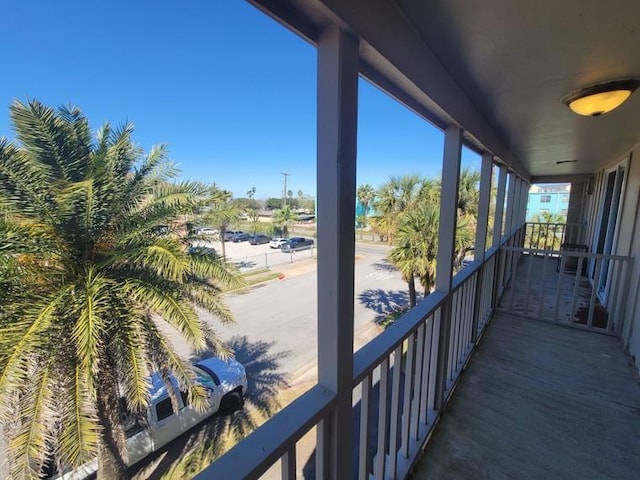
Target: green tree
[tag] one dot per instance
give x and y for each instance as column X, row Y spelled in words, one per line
column 284, row 218
column 394, row 197
column 273, row 203
column 91, row 262
column 222, row 212
column 416, row 245
column 469, row 192
column 365, row 193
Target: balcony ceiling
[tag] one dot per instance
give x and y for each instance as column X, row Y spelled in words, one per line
column 504, row 65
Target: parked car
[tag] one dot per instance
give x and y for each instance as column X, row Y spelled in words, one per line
column 277, row 242
column 207, row 231
column 297, row 243
column 259, row 239
column 229, row 234
column 241, row 237
column 226, row 385
column 201, row 248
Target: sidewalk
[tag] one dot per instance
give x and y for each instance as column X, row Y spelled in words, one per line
column 297, row 268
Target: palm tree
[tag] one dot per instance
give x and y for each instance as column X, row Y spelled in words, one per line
column 284, row 218
column 221, row 212
column 93, row 258
column 417, row 245
column 469, row 192
column 394, row 197
column 365, row 194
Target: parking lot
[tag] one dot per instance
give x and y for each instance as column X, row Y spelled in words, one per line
column 249, row 257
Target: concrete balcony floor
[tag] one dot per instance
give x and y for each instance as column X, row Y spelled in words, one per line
column 539, row 400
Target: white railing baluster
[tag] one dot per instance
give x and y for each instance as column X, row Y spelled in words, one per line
column 528, row 288
column 594, row 291
column 406, row 404
column 615, row 288
column 543, row 284
column 365, row 412
column 556, row 307
column 288, row 462
column 425, row 391
column 513, row 286
column 395, row 411
column 418, row 382
column 576, row 285
column 322, row 449
column 468, row 311
column 433, row 362
column 455, row 328
column 473, row 290
column 381, row 453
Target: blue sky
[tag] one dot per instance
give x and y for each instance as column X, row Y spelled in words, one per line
column 228, row 89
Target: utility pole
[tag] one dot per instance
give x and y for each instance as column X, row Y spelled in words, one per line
column 284, row 188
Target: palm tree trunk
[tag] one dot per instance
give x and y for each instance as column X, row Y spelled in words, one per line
column 223, row 232
column 412, row 291
column 110, row 462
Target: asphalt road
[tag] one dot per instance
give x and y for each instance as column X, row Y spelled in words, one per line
column 281, row 316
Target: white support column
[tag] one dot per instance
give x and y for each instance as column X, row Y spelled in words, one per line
column 497, row 223
column 525, row 200
column 515, row 214
column 510, row 199
column 336, row 167
column 448, row 207
column 483, row 207
column 446, row 244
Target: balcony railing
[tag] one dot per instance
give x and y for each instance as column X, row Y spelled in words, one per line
column 401, row 381
column 404, row 377
column 577, row 288
column 550, row 236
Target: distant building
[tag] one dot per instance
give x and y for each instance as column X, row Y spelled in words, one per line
column 551, row 198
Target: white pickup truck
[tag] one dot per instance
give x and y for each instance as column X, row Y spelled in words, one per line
column 226, row 384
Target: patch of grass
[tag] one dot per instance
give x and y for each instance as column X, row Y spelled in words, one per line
column 262, row 278
column 257, row 271
column 392, row 317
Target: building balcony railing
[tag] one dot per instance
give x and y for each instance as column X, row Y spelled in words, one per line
column 404, row 377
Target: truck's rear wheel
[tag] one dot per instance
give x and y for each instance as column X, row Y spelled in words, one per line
column 231, row 402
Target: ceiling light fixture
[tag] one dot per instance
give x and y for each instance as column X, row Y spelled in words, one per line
column 595, row 100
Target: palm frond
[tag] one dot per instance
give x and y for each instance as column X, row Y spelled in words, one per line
column 21, row 181
column 32, row 441
column 131, row 357
column 164, row 257
column 207, row 265
column 170, row 308
column 89, row 326
column 80, row 431
column 29, row 334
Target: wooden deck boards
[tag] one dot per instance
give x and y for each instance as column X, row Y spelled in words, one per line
column 540, row 401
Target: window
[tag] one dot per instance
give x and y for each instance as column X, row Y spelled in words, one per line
column 164, row 409
column 185, row 398
column 545, row 198
column 564, row 198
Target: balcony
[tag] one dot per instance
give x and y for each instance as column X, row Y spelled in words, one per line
column 537, row 399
